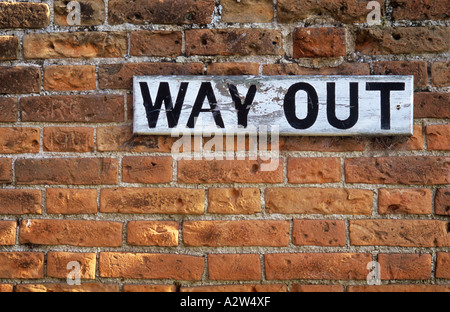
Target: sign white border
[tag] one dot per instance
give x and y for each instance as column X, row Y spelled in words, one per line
column 278, row 101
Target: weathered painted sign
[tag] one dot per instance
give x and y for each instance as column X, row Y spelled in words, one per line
column 297, row 105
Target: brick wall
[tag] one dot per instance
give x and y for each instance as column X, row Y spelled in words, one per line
column 78, row 186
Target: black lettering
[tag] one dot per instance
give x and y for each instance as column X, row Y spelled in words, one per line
column 385, row 88
column 289, row 106
column 172, row 113
column 206, row 91
column 243, row 110
column 331, row 107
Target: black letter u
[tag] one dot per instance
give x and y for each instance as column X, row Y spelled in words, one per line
column 331, row 106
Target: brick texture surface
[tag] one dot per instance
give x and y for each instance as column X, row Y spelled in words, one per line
column 71, row 201
column 233, row 42
column 67, row 171
column 161, row 12
column 92, row 12
column 296, row 266
column 308, row 42
column 20, row 80
column 69, row 78
column 236, row 233
column 431, row 105
column 318, row 201
column 442, row 202
column 9, row 48
column 75, row 45
column 24, row 15
column 402, row 40
column 164, row 266
column 73, row 108
column 71, row 232
column 57, row 263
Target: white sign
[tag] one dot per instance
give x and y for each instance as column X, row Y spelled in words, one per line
column 298, row 105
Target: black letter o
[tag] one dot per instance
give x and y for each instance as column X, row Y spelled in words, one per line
column 289, row 106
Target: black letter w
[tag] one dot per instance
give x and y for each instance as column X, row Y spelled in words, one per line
column 172, row 113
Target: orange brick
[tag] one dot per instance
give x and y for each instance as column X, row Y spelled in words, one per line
column 149, row 288
column 8, row 109
column 67, row 171
column 318, row 233
column 237, row 288
column 5, row 170
column 54, row 287
column 68, row 139
column 19, row 202
column 24, row 15
column 229, row 267
column 23, row 265
column 129, row 108
column 144, row 169
column 297, row 69
column 161, row 12
column 163, row 266
column 83, row 233
column 7, row 233
column 326, row 266
column 322, row 144
column 402, row 40
column 233, row 143
column 92, row 12
column 316, row 288
column 416, row 10
column 314, row 170
column 431, row 105
column 57, row 263
column 121, row 138
column 6, row 288
column 229, row 69
column 403, row 143
column 228, row 171
column 9, row 48
column 319, row 201
column 152, row 200
column 438, row 137
column 73, row 108
column 440, row 73
column 234, row 200
column 156, row 43
column 404, row 201
column 20, row 80
column 236, row 233
column 398, row 170
column 120, row 76
column 403, row 233
column 346, row 11
column 69, row 78
column 416, row 68
column 71, row 201
column 442, row 202
column 152, row 233
column 400, row 288
column 405, row 266
column 319, row 42
column 443, row 265
column 90, row 44
column 233, row 41
column 19, row 140
column 247, row 11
